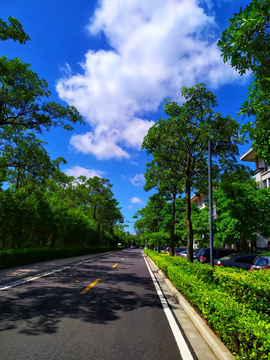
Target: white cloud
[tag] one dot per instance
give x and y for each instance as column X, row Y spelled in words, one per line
column 137, row 180
column 157, row 47
column 129, row 207
column 134, row 163
column 136, row 200
column 77, row 171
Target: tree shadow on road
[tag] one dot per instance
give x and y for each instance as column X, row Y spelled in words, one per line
column 38, row 307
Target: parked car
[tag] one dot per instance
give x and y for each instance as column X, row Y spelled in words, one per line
column 240, row 261
column 204, row 254
column 179, row 250
column 195, row 252
column 163, row 248
column 261, row 262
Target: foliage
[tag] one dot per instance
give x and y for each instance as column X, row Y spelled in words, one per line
column 179, row 146
column 23, row 103
column 246, row 44
column 148, row 219
column 220, row 295
column 243, row 211
column 199, row 220
column 12, row 30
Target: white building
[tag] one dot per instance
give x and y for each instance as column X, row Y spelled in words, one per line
column 261, row 175
column 199, row 200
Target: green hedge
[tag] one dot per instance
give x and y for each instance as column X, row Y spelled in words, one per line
column 233, row 302
column 13, row 258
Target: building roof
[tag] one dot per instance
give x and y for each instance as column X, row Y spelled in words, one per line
column 249, row 155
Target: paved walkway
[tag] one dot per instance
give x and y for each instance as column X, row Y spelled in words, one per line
column 17, row 273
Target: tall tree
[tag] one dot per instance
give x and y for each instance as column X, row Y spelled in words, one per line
column 246, row 44
column 179, row 146
column 24, row 161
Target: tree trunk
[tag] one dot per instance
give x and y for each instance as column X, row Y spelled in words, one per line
column 172, row 225
column 188, row 214
column 244, row 243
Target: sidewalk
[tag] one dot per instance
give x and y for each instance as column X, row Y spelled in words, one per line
column 20, row 272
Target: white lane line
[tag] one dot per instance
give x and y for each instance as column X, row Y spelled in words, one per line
column 23, row 281
column 182, row 345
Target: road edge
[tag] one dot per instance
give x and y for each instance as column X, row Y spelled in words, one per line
column 216, row 345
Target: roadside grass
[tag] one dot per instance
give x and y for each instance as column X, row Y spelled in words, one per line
column 235, row 302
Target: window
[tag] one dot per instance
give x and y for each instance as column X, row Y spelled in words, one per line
column 265, row 183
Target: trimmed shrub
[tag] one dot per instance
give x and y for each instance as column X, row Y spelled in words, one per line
column 220, row 295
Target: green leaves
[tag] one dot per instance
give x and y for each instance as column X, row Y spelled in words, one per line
column 243, row 211
column 13, row 30
column 179, row 147
column 246, row 43
column 234, row 302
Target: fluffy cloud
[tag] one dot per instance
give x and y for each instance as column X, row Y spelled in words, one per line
column 157, row 47
column 77, row 171
column 137, row 180
column 136, row 200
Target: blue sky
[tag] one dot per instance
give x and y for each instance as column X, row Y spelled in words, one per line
column 115, row 61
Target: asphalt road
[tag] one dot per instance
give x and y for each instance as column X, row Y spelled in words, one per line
column 105, row 309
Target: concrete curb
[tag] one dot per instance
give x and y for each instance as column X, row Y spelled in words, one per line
column 218, row 348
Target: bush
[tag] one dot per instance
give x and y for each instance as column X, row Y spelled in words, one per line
column 220, row 295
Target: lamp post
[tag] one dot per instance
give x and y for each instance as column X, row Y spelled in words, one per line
column 218, row 145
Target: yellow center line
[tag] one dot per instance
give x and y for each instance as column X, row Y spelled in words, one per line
column 115, row 265
column 89, row 286
column 123, row 259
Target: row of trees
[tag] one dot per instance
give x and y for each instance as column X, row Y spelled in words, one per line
column 40, row 205
column 243, row 212
column 178, row 144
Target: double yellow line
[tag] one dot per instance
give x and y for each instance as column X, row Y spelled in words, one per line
column 95, row 282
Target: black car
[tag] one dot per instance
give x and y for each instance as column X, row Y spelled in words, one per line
column 240, row 261
column 204, row 254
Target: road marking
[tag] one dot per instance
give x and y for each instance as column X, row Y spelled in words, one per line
column 32, row 278
column 115, row 265
column 89, row 286
column 16, row 283
column 123, row 259
column 182, row 345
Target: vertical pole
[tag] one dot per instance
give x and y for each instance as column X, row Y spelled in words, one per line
column 210, row 203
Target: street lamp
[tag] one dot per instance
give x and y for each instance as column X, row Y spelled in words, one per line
column 218, row 145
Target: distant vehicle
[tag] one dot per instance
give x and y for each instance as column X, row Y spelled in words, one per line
column 204, row 254
column 179, row 250
column 141, row 247
column 163, row 248
column 184, row 253
column 261, row 262
column 240, row 261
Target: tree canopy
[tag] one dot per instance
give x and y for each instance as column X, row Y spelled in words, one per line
column 179, row 149
column 243, row 211
column 246, row 44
